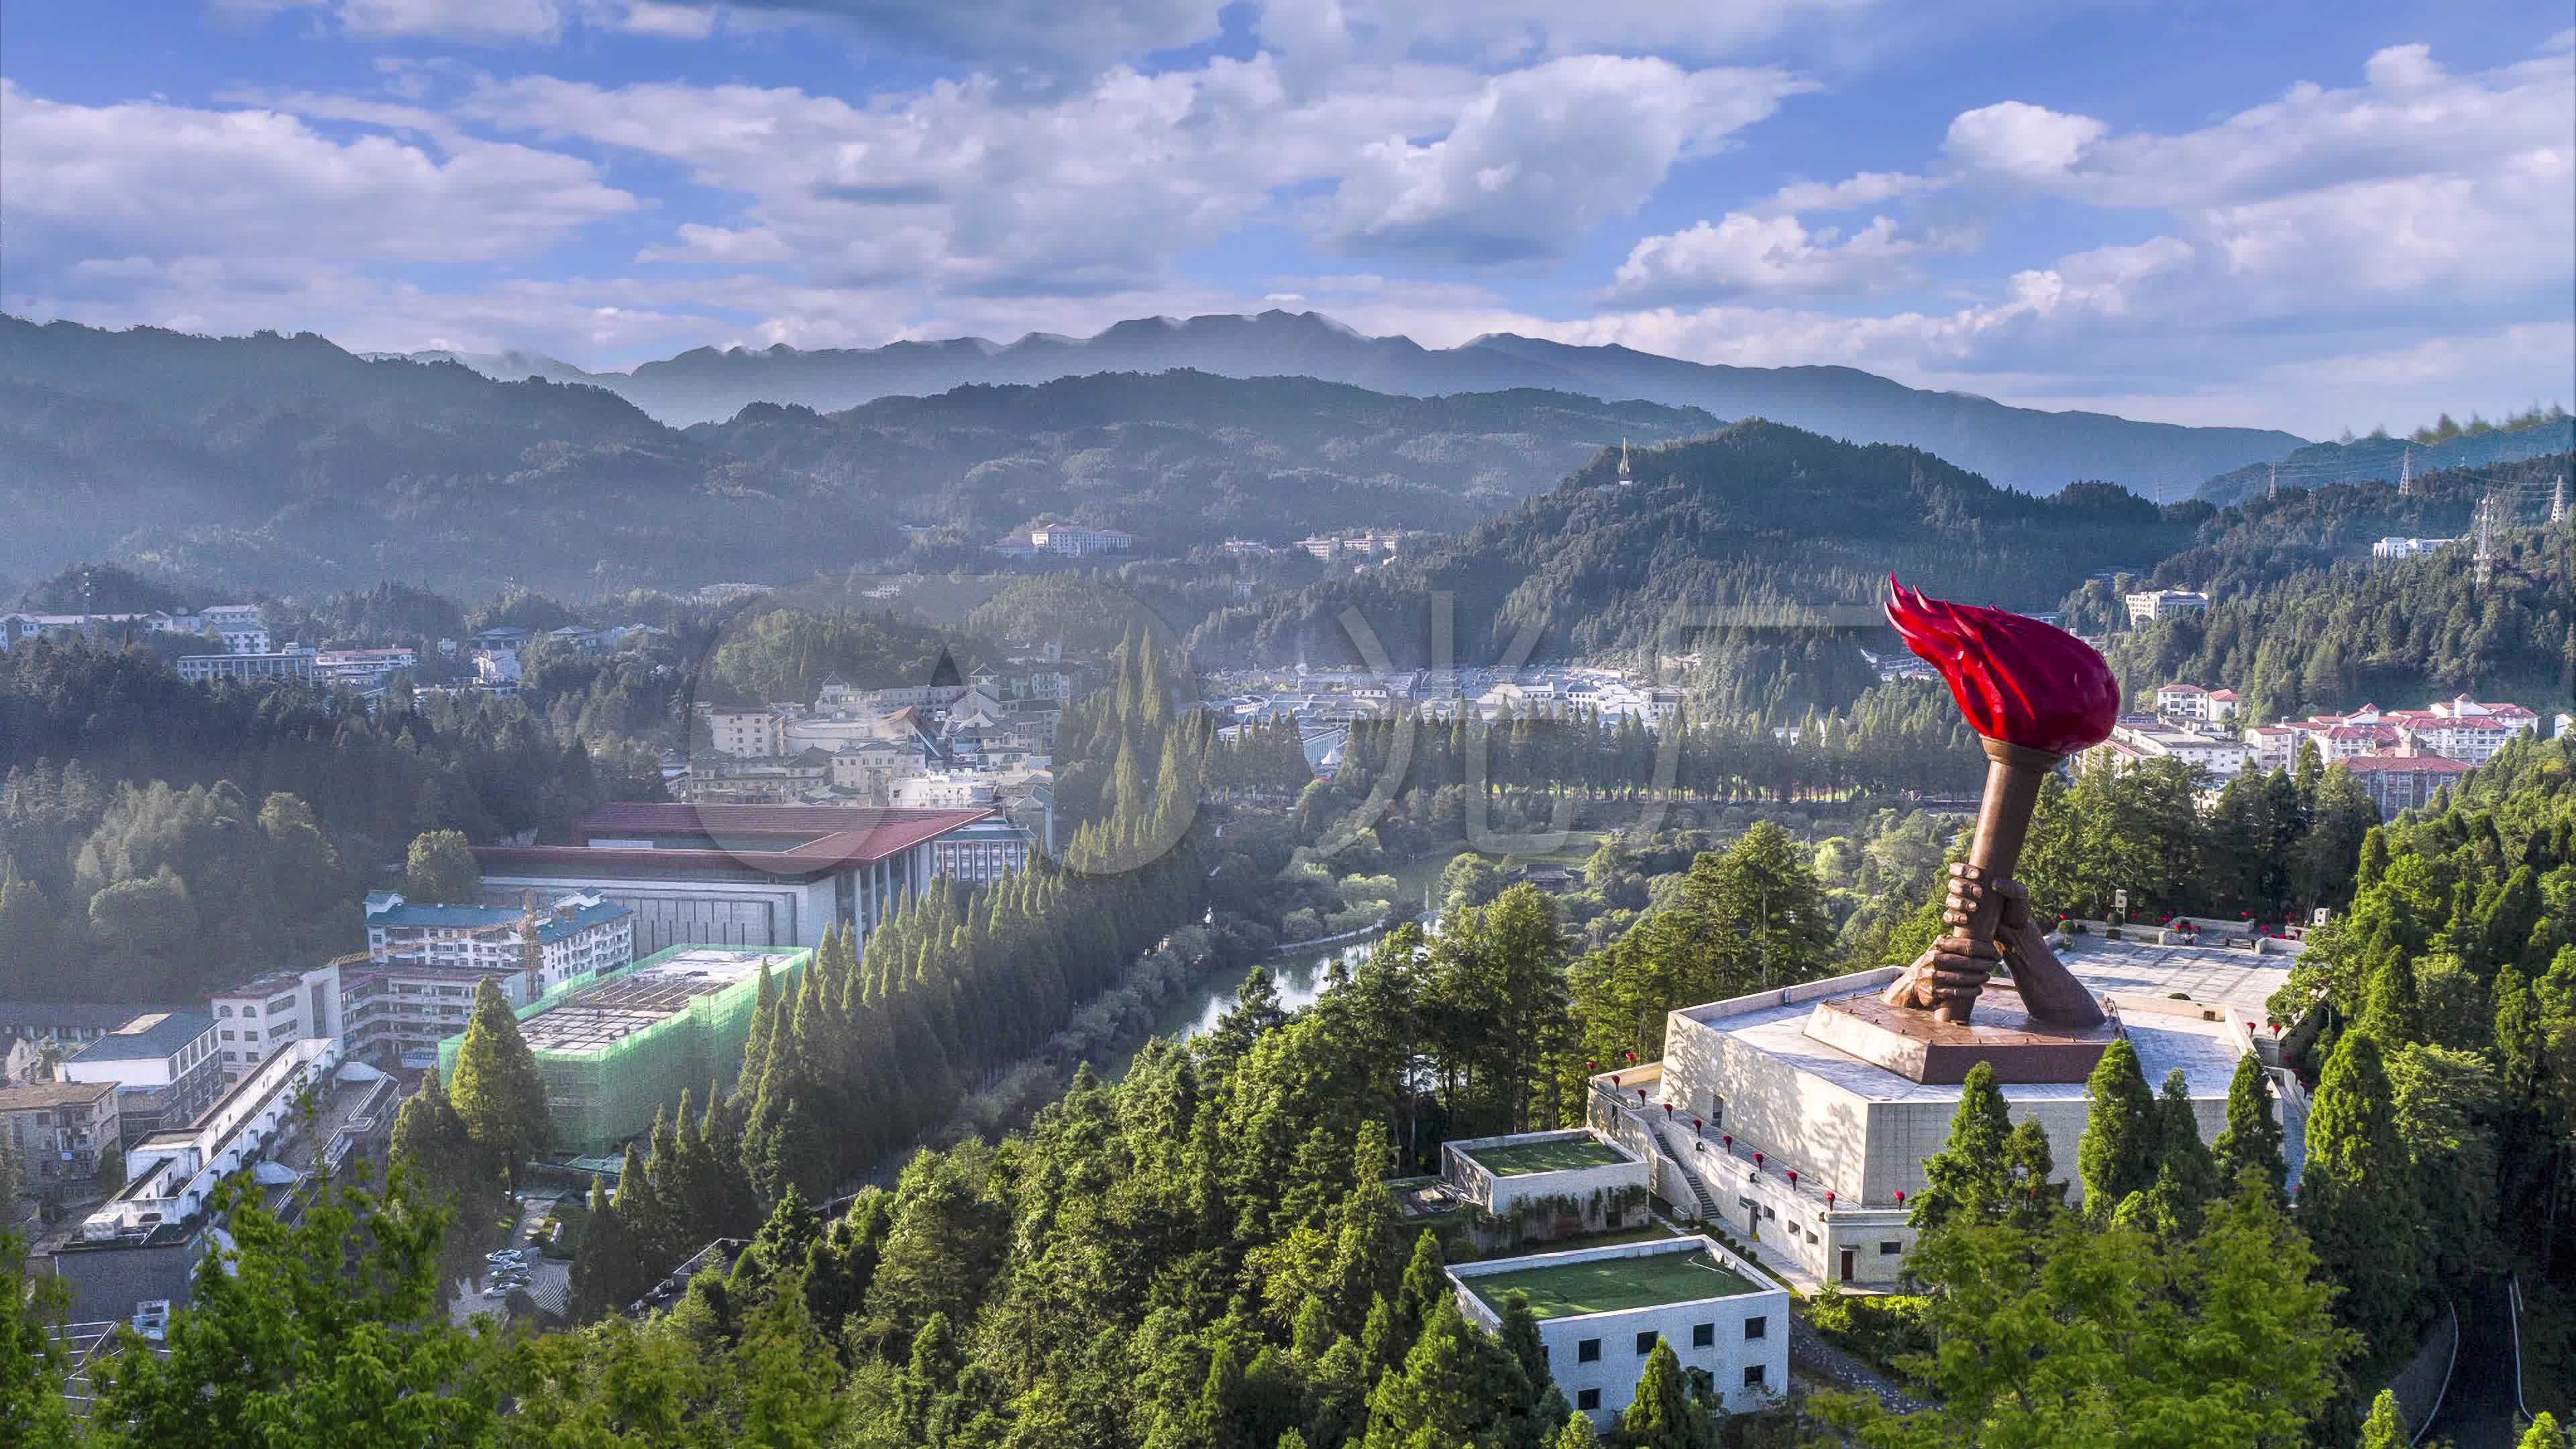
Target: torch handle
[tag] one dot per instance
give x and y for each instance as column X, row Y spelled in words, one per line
column 2013, row 779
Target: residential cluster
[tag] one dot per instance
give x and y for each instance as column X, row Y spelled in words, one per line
column 2403, row 757
column 1324, row 703
column 1061, row 540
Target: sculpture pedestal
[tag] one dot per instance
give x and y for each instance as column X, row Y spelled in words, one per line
column 1922, row 1048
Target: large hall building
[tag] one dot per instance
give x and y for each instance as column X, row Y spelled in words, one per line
column 756, row 875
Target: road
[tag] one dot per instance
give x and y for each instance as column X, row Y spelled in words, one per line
column 2479, row 1410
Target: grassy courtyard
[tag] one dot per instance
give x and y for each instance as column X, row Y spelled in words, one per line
column 1608, row 1285
column 1518, row 1159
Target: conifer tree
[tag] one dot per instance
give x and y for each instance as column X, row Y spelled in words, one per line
column 2384, row 1429
column 1970, row 1179
column 498, row 1093
column 1664, row 1415
column 2357, row 1199
column 2038, row 1194
column 2544, row 1433
column 2186, row 1173
column 606, row 1265
column 2253, row 1139
column 2117, row 1155
column 1578, row 1433
column 1456, row 1386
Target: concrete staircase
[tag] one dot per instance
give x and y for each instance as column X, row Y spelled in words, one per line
column 1681, row 1163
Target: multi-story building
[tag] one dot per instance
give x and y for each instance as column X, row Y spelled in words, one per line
column 256, row 1019
column 238, row 625
column 2216, row 759
column 2404, row 779
column 166, row 1066
column 747, row 734
column 737, row 875
column 289, row 663
column 943, row 790
column 576, row 932
column 2397, row 548
column 64, row 1023
column 982, row 852
column 57, row 1130
column 362, row 668
column 1077, row 542
column 2146, row 608
column 2461, row 729
column 2191, row 702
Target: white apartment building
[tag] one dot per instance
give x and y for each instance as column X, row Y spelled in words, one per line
column 256, row 1019
column 943, row 790
column 2146, row 608
column 2461, row 729
column 2191, row 702
column 163, row 1064
column 578, row 932
column 1078, row 542
column 171, row 1172
column 2397, row 548
column 238, row 625
column 2215, row 758
column 292, row 664
column 748, row 734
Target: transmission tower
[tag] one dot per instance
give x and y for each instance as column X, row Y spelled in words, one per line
column 2558, row 501
column 2485, row 528
column 2273, row 489
column 2406, row 473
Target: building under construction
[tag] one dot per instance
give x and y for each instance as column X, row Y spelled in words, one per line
column 617, row 1046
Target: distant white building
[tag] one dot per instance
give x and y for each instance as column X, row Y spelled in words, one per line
column 2191, row 702
column 238, row 625
column 2215, row 758
column 259, row 1017
column 2397, row 548
column 1069, row 539
column 289, row 664
column 2146, row 608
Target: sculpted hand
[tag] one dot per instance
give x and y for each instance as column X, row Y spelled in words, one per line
column 1969, row 886
column 1954, row 968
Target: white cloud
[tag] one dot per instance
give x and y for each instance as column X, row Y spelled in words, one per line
column 1542, row 155
column 1869, row 188
column 750, row 247
column 1742, row 254
column 2019, row 141
column 143, row 178
column 479, row 21
column 1048, row 36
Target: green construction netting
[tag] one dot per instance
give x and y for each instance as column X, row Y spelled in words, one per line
column 599, row 1097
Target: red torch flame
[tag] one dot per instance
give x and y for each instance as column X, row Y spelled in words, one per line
column 2016, row 679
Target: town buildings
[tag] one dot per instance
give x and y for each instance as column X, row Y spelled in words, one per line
column 259, row 1017
column 571, row 933
column 2397, row 548
column 2404, row 779
column 238, row 625
column 2148, row 607
column 2460, row 729
column 2193, row 703
column 291, row 663
column 2214, row 758
column 1063, row 540
column 166, row 1066
column 57, row 1130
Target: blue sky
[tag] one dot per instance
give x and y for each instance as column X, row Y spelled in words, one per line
column 2306, row 216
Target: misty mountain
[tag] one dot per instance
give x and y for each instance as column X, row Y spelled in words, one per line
column 287, row 464
column 2021, row 448
column 1186, row 459
column 1755, row 523
column 2380, row 458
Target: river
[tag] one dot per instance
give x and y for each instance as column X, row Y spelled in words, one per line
column 1299, row 975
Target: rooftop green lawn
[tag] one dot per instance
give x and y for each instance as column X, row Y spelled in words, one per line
column 1518, row 1159
column 1610, row 1285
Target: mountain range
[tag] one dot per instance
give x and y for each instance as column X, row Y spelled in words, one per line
column 2024, row 448
column 286, row 464
column 2382, row 458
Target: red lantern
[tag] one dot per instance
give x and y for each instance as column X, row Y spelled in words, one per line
column 2276, row 1028
column 1592, row 1066
column 1668, row 1111
column 1698, row 1125
column 1641, row 1096
column 1900, row 1197
column 1793, row 1177
column 1614, row 1079
column 1729, row 1140
column 1757, row 1159
column 1829, row 1199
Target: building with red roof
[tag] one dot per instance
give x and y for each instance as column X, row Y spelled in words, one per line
column 753, row 875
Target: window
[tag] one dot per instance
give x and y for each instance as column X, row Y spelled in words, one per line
column 1770, row 1212
column 1703, row 1335
column 223, row 1011
column 1587, row 1399
column 1753, row 1376
column 250, row 1011
column 1890, row 1250
column 1646, row 1342
column 1588, row 1351
column 1756, row 1327
column 228, row 1036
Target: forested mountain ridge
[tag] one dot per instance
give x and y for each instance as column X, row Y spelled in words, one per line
column 2383, row 458
column 285, row 462
column 2022, row 448
column 1759, row 516
column 1188, row 458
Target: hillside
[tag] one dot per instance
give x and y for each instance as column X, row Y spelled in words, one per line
column 2380, row 459
column 2021, row 448
column 1187, row 459
column 1759, row 516
column 287, row 464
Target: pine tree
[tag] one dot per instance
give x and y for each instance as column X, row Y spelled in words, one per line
column 1970, row 1179
column 498, row 1093
column 1578, row 1433
column 2117, row 1155
column 605, row 1269
column 1457, row 1386
column 2544, row 1433
column 2186, row 1172
column 2038, row 1195
column 2253, row 1139
column 1663, row 1415
column 2358, row 1200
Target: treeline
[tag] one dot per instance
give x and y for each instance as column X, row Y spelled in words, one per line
column 159, row 838
column 2398, row 633
column 2441, row 1019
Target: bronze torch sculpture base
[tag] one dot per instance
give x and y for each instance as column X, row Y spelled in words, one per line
column 1921, row 1047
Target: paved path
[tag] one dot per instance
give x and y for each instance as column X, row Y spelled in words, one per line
column 2478, row 1410
column 1809, row 1351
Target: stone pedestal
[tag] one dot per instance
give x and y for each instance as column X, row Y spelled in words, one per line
column 1924, row 1049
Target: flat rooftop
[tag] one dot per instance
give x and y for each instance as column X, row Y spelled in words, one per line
column 2210, row 976
column 1519, row 1159
column 616, row 1007
column 149, row 1037
column 1613, row 1285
